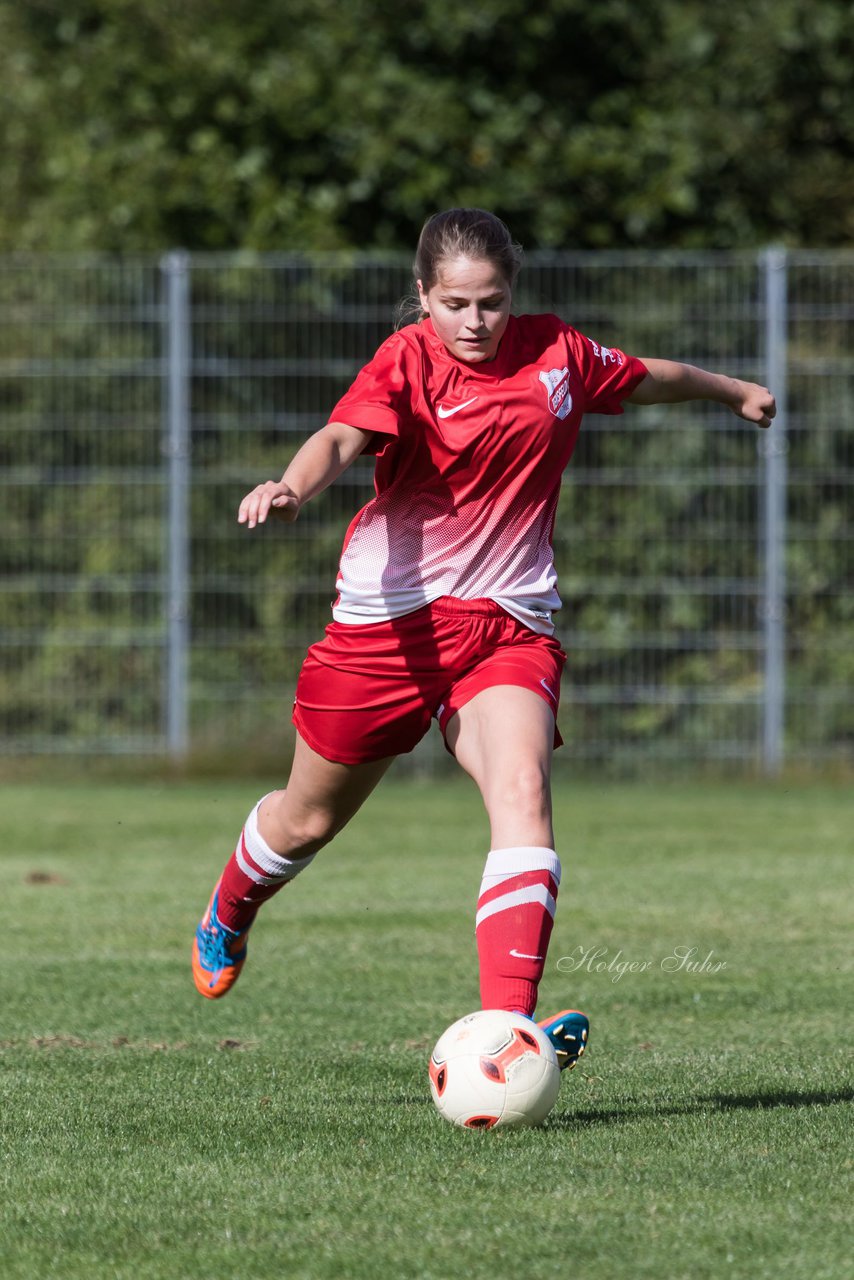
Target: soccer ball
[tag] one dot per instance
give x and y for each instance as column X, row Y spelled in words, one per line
column 494, row 1069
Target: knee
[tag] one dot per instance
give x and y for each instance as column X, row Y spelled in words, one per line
column 525, row 791
column 296, row 834
column 311, row 831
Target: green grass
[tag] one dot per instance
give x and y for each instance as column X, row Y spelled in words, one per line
column 287, row 1131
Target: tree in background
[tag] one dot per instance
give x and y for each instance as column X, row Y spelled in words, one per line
column 137, row 124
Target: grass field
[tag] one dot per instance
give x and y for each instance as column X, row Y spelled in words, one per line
column 287, row 1130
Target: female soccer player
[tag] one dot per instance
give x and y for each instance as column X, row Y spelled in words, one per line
column 446, row 592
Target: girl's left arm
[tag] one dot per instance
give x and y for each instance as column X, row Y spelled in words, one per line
column 668, row 382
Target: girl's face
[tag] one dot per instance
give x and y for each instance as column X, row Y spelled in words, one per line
column 469, row 305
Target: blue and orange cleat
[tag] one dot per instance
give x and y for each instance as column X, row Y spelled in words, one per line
column 568, row 1032
column 218, row 953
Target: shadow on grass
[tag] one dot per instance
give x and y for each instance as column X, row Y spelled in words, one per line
column 654, row 1110
column 713, row 1102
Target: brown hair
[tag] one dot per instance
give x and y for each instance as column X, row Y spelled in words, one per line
column 459, row 233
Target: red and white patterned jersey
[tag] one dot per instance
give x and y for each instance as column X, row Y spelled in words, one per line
column 469, row 464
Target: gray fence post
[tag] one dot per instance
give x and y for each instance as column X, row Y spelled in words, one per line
column 175, row 267
column 772, row 450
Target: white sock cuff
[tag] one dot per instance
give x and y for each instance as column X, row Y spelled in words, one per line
column 274, row 864
column 501, row 864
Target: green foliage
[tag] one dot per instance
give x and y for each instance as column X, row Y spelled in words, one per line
column 137, row 124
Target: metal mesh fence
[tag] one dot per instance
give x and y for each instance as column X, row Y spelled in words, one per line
column 82, row 521
column 705, row 569
column 820, row 487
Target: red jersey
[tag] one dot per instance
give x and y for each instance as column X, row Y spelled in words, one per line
column 469, row 464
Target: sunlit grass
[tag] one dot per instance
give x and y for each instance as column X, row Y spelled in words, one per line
column 287, row 1130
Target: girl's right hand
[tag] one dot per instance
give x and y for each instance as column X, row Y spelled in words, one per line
column 272, row 498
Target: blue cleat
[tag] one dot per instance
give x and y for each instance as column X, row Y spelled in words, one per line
column 568, row 1032
column 218, row 953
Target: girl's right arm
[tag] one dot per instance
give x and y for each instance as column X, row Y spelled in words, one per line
column 321, row 460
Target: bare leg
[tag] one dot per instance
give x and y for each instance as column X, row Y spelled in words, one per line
column 503, row 738
column 321, row 797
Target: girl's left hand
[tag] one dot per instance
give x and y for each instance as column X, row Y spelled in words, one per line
column 754, row 403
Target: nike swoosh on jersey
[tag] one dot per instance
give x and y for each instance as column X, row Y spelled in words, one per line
column 447, row 413
column 521, row 955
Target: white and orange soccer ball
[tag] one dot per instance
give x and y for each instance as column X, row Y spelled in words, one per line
column 494, row 1069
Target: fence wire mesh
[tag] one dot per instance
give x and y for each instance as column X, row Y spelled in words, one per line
column 139, row 399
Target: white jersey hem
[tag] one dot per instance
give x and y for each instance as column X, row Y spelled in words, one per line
column 534, row 614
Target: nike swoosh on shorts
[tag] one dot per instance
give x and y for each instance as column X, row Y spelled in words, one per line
column 521, row 955
column 549, row 691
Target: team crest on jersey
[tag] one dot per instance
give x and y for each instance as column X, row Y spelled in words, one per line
column 556, row 383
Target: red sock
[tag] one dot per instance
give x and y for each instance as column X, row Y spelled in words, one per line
column 515, row 914
column 253, row 874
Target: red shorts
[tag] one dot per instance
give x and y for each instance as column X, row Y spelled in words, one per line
column 367, row 692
